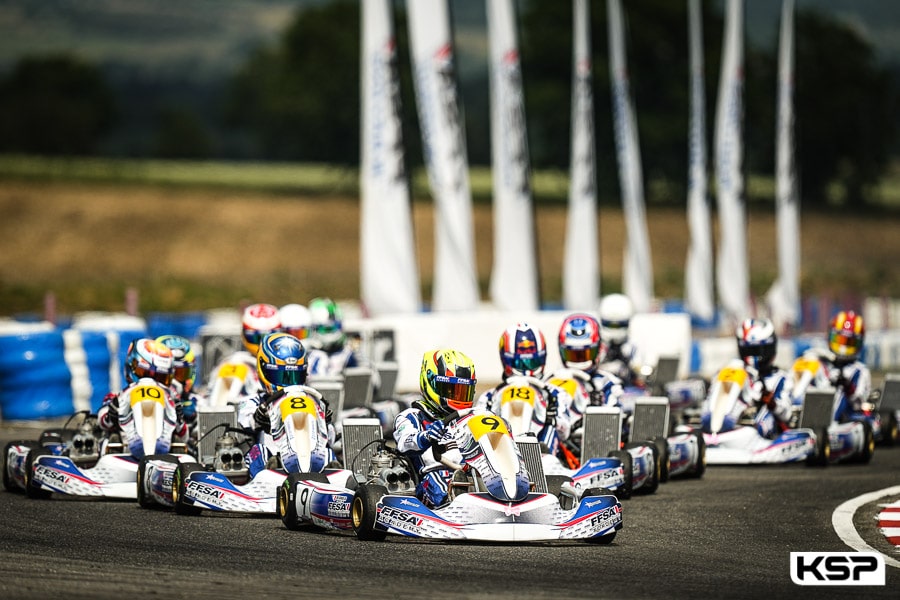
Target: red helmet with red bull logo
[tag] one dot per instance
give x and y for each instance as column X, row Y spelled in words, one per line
column 523, row 351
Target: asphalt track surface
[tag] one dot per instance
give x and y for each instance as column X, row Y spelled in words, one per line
column 728, row 535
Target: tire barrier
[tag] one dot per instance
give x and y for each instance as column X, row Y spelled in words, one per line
column 35, row 381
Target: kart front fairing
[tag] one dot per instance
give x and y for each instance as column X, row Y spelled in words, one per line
column 214, row 491
column 478, row 516
column 114, row 476
column 744, row 445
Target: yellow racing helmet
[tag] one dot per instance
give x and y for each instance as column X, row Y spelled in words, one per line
column 447, row 382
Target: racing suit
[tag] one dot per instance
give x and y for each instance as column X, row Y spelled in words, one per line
column 253, row 414
column 415, row 431
column 116, row 416
column 621, row 360
column 853, row 379
column 550, row 420
column 769, row 393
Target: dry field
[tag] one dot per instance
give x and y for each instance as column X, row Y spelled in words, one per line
column 189, row 249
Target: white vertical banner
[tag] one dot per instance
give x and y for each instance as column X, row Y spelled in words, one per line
column 444, row 145
column 388, row 269
column 638, row 266
column 581, row 266
column 699, row 295
column 514, row 280
column 784, row 295
column 732, row 276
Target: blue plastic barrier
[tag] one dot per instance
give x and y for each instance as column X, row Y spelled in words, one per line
column 35, row 382
column 96, row 348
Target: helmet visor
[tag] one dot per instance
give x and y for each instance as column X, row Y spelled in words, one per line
column 848, row 344
column 163, row 377
column 184, row 373
column 578, row 355
column 285, row 375
column 457, row 392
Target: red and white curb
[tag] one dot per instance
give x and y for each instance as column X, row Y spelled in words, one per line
column 842, row 521
column 889, row 523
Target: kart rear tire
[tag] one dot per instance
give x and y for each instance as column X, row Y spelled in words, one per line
column 364, row 510
column 700, row 468
column 868, row 448
column 145, row 500
column 822, row 455
column 7, row 478
column 624, row 492
column 182, row 507
column 653, row 481
column 662, row 445
column 32, row 489
column 890, row 428
column 609, row 537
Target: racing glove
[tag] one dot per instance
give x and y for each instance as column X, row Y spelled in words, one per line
column 431, row 435
column 261, row 416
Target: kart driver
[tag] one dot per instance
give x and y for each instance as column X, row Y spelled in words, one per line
column 447, row 384
column 843, row 365
column 769, row 386
column 523, row 353
column 281, row 363
column 184, row 374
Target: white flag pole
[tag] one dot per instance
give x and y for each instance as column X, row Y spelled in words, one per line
column 581, row 268
column 638, row 267
column 514, row 279
column 444, row 144
column 388, row 269
column 732, row 275
column 784, row 295
column 698, row 274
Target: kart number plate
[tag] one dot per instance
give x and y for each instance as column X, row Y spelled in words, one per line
column 143, row 393
column 517, row 393
column 295, row 404
column 481, row 425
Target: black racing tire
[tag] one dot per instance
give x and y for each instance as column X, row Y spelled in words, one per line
column 364, row 510
column 145, row 500
column 286, row 498
column 555, row 483
column 699, row 468
column 7, row 478
column 624, row 492
column 182, row 506
column 890, row 428
column 652, row 483
column 609, row 537
column 32, row 489
column 822, row 455
column 662, row 446
column 868, row 449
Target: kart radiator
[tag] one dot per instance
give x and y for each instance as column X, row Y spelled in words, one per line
column 206, row 421
column 602, row 432
column 665, row 373
column 651, row 418
column 818, row 409
column 358, row 435
column 890, row 393
column 530, row 449
column 357, row 387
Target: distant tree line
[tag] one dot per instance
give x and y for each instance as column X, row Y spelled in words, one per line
column 299, row 100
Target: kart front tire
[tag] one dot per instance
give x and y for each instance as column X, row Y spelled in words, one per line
column 609, row 537
column 890, row 428
column 364, row 510
column 182, row 506
column 286, row 498
column 33, row 489
column 868, row 448
column 8, row 483
column 652, row 483
column 699, row 468
column 624, row 492
column 822, row 454
column 145, row 500
column 662, row 446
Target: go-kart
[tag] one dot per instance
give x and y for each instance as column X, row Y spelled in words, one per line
column 222, row 481
column 79, row 439
column 146, row 427
column 590, row 450
column 732, row 438
column 490, row 494
column 881, row 412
